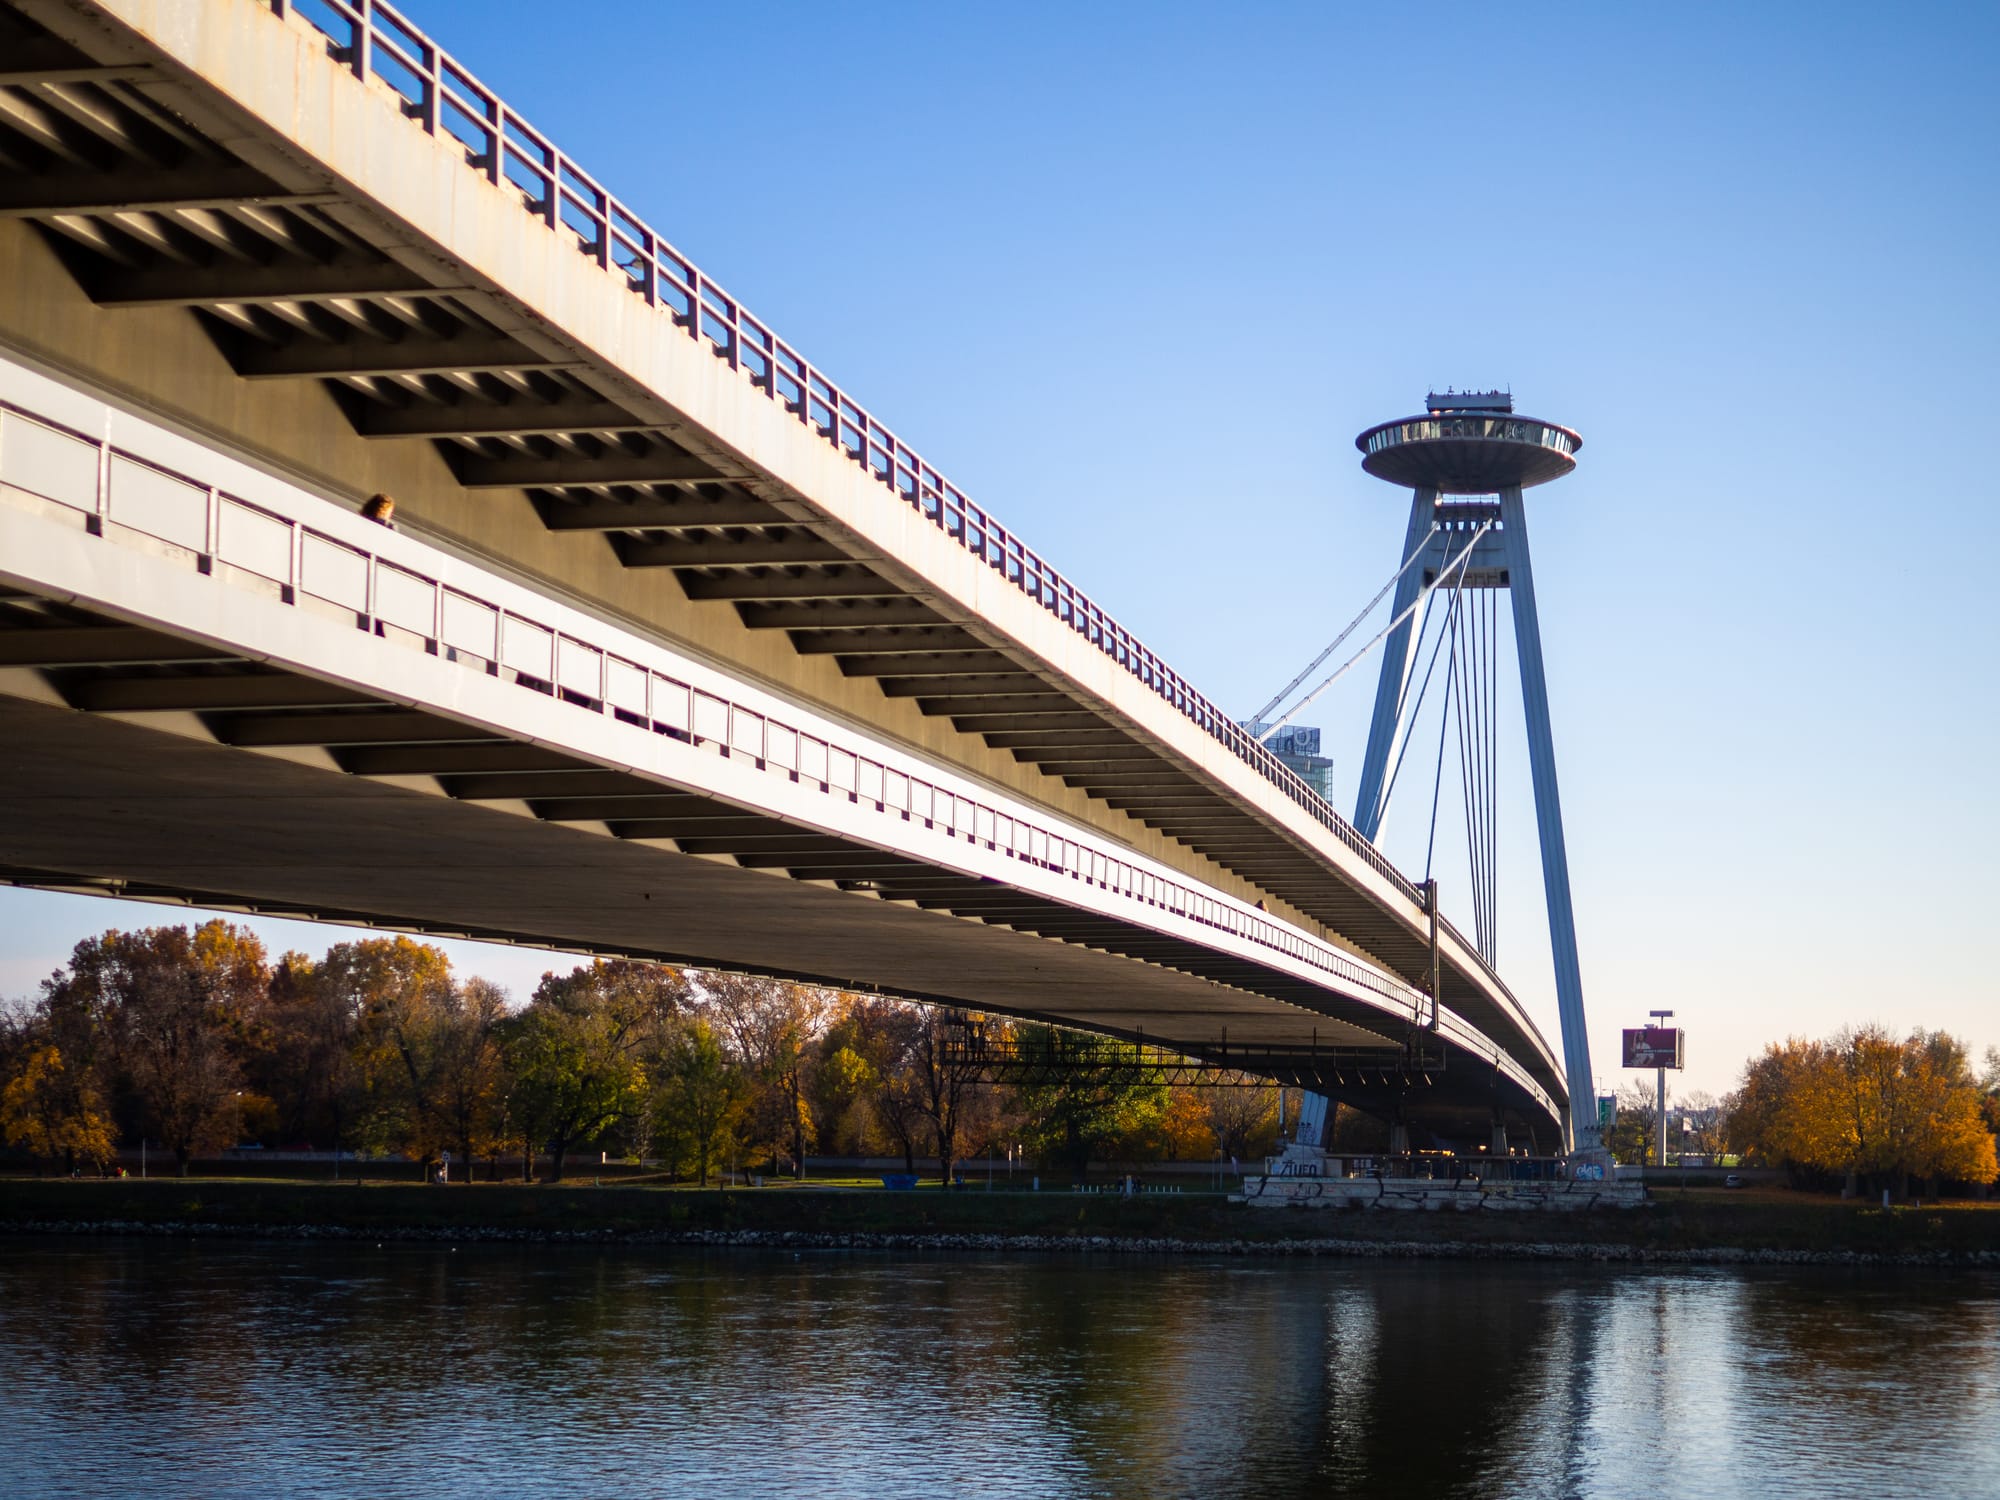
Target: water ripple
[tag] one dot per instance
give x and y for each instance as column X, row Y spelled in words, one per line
column 216, row 1369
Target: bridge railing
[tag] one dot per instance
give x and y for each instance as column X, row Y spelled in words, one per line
column 307, row 553
column 376, row 41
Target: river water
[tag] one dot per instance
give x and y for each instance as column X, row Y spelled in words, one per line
column 160, row 1367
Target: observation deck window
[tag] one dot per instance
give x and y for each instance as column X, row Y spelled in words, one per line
column 1501, row 429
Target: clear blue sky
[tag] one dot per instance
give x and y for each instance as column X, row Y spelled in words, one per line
column 1134, row 276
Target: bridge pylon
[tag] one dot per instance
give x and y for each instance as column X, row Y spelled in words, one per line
column 1466, row 461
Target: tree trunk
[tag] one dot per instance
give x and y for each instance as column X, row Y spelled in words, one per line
column 947, row 1149
column 558, row 1149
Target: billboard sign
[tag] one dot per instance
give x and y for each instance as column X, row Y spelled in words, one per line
column 1607, row 1111
column 1654, row 1047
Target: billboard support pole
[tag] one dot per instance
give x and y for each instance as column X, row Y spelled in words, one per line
column 1660, row 1019
column 1660, row 1122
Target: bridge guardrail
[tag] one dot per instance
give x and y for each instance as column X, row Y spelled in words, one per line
column 376, row 41
column 386, row 588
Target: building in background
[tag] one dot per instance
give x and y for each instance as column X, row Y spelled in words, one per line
column 1297, row 745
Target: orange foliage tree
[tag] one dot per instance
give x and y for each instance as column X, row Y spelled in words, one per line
column 1865, row 1105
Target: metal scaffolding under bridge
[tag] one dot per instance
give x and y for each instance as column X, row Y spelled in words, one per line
column 1051, row 1054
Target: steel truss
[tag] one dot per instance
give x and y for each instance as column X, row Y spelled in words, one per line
column 1052, row 1054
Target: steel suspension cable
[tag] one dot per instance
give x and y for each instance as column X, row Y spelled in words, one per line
column 1451, row 628
column 1473, row 724
column 1457, row 564
column 1493, row 767
column 1484, row 926
column 1471, row 753
column 1410, row 723
column 1444, row 728
column 1352, row 625
column 1461, row 698
column 1473, row 695
column 1488, row 792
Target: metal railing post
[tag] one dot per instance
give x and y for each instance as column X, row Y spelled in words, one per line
column 364, row 29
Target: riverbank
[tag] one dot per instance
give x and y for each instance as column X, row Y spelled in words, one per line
column 1692, row 1228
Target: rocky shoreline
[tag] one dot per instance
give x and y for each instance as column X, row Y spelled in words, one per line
column 1039, row 1244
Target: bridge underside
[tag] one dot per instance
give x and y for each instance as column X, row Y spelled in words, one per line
column 136, row 764
column 530, row 403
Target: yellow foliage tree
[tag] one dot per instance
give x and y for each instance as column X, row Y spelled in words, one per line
column 1865, row 1105
column 1186, row 1132
column 53, row 1113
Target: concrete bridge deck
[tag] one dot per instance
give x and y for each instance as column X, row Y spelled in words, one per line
column 352, row 266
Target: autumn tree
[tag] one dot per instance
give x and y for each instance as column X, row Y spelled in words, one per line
column 1243, row 1120
column 52, row 1111
column 1931, row 1125
column 444, row 1072
column 173, row 999
column 847, row 1076
column 773, row 1026
column 1082, row 1106
column 1184, row 1131
column 1865, row 1105
column 883, row 1039
column 1989, row 1084
column 308, row 1066
column 1634, row 1129
column 470, row 1071
column 946, row 1078
column 698, row 1094
column 885, row 1035
column 573, row 1058
column 1766, row 1120
column 398, row 992
column 1706, row 1124
column 53, row 1070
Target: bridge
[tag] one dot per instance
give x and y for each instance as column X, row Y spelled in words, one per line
column 673, row 650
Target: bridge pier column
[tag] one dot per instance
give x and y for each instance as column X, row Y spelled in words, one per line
column 1312, row 1119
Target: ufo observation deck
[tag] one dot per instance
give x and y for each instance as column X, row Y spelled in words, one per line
column 1468, row 445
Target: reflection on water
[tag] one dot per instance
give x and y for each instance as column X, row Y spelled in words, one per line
column 159, row 1367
